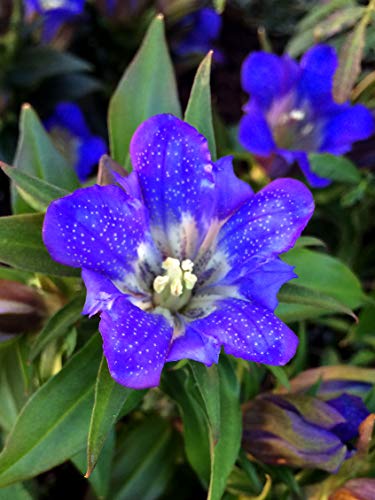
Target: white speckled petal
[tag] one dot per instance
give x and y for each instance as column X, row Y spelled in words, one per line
column 99, row 228
column 174, row 169
column 249, row 331
column 268, row 224
column 135, row 344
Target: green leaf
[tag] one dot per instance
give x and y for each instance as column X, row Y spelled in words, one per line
column 101, row 476
column 37, row 63
column 22, row 246
column 37, row 156
column 208, row 384
column 58, row 325
column 147, row 88
column 110, row 398
column 337, row 168
column 13, row 382
column 15, row 492
column 350, row 58
column 53, row 425
column 144, row 461
column 225, row 452
column 199, row 111
column 36, row 192
column 219, row 5
column 296, row 294
column 279, row 373
column 325, row 275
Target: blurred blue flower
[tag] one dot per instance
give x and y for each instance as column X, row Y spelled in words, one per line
column 69, row 130
column 203, row 28
column 303, row 431
column 180, row 257
column 54, row 13
column 291, row 111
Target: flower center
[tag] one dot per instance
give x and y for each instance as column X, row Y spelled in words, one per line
column 173, row 288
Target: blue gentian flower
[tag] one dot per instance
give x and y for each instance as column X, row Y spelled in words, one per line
column 68, row 127
column 291, row 111
column 180, row 258
column 54, row 13
column 303, row 431
column 203, row 27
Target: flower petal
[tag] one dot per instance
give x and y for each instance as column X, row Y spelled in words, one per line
column 318, row 68
column 268, row 224
column 249, row 331
column 232, row 192
column 266, row 76
column 354, row 410
column 89, row 152
column 101, row 292
column 174, row 169
column 135, row 344
column 255, row 133
column 352, row 123
column 193, row 345
column 98, row 228
column 314, row 180
column 69, row 116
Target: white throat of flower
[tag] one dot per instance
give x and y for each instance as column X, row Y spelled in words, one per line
column 173, row 289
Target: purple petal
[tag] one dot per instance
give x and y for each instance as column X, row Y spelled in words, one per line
column 268, row 224
column 353, row 409
column 174, row 169
column 193, row 345
column 232, row 192
column 135, row 344
column 262, row 283
column 350, row 124
column 99, row 228
column 314, row 180
column 318, row 68
column 249, row 331
column 255, row 133
column 69, row 116
column 101, row 292
column 89, row 152
column 266, row 76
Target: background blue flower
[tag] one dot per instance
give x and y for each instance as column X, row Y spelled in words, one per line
column 69, row 129
column 182, row 259
column 291, row 111
column 54, row 13
column 203, row 28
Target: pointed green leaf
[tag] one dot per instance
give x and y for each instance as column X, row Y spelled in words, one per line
column 53, row 425
column 22, row 246
column 147, row 88
column 337, row 168
column 144, row 461
column 37, row 156
column 110, row 398
column 199, row 111
column 36, row 192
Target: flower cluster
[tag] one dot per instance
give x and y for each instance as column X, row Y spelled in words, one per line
column 291, row 111
column 69, row 129
column 181, row 257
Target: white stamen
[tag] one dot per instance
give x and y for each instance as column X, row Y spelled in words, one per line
column 178, row 276
column 297, row 114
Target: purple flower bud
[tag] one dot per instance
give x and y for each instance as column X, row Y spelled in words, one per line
column 302, row 431
column 21, row 308
column 356, row 489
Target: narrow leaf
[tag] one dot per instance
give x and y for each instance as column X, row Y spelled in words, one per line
column 337, row 168
column 37, row 156
column 22, row 246
column 53, row 425
column 147, row 88
column 199, row 111
column 36, row 192
column 350, row 61
column 110, row 398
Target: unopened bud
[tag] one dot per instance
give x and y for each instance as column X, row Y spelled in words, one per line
column 21, row 308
